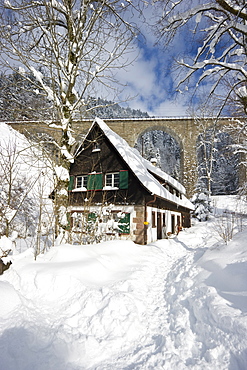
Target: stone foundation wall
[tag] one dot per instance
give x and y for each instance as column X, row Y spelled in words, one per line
column 140, row 231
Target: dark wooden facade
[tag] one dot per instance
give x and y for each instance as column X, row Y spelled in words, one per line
column 97, row 157
column 104, row 159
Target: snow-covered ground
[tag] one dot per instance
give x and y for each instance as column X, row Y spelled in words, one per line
column 177, row 304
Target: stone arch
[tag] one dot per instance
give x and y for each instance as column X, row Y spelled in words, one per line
column 166, row 129
column 173, row 135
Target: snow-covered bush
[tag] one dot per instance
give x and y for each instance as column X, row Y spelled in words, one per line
column 94, row 226
column 224, row 226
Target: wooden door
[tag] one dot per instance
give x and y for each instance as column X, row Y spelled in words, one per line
column 159, row 226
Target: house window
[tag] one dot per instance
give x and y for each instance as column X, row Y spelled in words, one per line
column 83, row 221
column 124, row 223
column 121, row 221
column 81, row 181
column 112, row 180
column 96, row 148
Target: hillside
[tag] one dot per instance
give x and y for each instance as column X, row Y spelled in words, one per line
column 23, row 100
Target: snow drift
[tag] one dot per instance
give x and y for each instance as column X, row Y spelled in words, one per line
column 174, row 304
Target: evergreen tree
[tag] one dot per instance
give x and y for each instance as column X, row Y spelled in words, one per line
column 201, row 200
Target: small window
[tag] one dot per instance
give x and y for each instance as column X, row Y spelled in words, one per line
column 96, row 148
column 124, row 223
column 81, row 181
column 112, row 180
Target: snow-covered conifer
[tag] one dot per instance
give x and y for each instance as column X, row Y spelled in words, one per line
column 202, row 202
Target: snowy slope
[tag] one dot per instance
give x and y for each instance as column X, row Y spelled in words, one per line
column 174, row 304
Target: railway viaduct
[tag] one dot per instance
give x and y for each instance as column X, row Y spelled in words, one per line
column 184, row 130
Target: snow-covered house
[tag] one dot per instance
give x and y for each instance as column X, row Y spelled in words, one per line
column 118, row 191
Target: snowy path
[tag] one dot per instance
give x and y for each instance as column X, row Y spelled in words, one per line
column 151, row 349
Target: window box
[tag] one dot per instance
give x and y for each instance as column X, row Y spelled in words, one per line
column 110, row 188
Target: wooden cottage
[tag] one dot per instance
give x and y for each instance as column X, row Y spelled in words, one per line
column 117, row 192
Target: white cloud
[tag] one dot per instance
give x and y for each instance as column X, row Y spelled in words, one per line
column 149, row 82
column 171, row 108
column 139, row 77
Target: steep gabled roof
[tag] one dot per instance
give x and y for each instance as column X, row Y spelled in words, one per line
column 143, row 169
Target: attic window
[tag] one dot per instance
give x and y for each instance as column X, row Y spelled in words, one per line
column 96, row 148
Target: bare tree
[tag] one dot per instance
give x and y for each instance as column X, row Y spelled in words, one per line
column 72, row 48
column 26, row 182
column 207, row 151
column 220, row 28
column 15, row 189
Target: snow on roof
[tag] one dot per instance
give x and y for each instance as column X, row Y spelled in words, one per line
column 141, row 167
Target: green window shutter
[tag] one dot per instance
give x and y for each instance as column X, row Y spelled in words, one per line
column 123, row 179
column 124, row 224
column 90, row 182
column 95, row 181
column 71, row 183
column 91, row 217
column 98, row 181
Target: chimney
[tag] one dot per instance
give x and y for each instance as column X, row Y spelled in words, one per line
column 153, row 161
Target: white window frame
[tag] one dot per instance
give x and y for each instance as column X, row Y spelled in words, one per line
column 112, row 180
column 83, row 180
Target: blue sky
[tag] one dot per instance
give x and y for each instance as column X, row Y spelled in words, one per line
column 152, row 81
